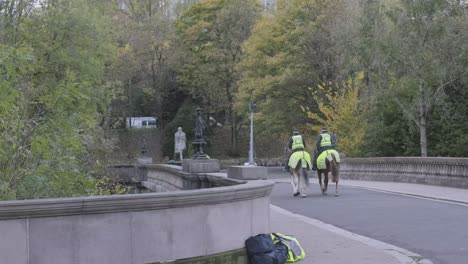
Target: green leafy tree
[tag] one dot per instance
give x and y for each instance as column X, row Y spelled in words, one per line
column 286, row 55
column 146, row 58
column 53, row 75
column 211, row 34
column 425, row 51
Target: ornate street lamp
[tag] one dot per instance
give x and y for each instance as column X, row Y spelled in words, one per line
column 199, row 142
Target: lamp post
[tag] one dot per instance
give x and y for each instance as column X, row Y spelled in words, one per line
column 252, row 106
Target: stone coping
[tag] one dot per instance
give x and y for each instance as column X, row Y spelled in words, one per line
column 410, row 160
column 194, row 177
column 239, row 191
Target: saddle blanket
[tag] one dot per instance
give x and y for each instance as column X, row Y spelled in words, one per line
column 297, row 156
column 326, row 154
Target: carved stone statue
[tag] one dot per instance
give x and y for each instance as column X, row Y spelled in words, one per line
column 180, row 145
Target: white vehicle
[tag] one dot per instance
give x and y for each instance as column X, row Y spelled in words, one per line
column 142, row 122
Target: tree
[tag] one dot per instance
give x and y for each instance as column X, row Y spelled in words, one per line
column 53, row 76
column 211, row 33
column 425, row 52
column 146, row 59
column 286, row 58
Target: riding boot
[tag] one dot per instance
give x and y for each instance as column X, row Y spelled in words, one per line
column 314, row 161
column 314, row 165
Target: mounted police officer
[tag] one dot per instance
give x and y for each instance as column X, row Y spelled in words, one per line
column 324, row 141
column 296, row 143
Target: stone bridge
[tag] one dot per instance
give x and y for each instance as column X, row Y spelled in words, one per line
column 139, row 228
column 185, row 217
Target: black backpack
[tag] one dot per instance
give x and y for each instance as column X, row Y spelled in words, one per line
column 262, row 250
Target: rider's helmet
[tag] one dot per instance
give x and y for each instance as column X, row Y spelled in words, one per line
column 324, row 130
column 295, row 131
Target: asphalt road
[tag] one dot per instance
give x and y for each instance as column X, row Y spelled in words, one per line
column 436, row 230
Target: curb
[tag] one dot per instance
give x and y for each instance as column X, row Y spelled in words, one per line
column 402, row 255
column 457, row 202
column 462, row 203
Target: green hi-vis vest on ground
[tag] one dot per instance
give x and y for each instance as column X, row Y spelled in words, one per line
column 326, row 140
column 295, row 251
column 297, row 142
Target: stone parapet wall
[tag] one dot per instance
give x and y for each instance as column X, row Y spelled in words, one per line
column 164, row 177
column 450, row 172
column 266, row 162
column 135, row 228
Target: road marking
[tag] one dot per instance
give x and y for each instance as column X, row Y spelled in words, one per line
column 402, row 255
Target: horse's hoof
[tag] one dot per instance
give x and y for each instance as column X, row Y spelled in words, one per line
column 336, row 195
column 304, row 195
column 296, row 194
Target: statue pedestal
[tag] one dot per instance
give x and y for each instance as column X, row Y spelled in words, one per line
column 247, row 172
column 200, row 165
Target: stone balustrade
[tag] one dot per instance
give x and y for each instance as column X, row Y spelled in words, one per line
column 450, row 172
column 136, row 228
column 163, row 177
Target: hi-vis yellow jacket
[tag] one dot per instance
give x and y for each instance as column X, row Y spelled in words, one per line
column 295, row 251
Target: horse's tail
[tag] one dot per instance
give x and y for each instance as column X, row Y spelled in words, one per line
column 334, row 168
column 306, row 177
column 302, row 167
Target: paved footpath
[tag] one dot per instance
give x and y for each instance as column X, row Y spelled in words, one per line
column 327, row 244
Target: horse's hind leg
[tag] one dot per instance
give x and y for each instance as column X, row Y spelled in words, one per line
column 325, row 183
column 319, row 173
column 336, row 189
column 303, row 182
column 294, row 183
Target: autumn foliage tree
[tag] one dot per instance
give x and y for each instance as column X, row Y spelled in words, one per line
column 343, row 112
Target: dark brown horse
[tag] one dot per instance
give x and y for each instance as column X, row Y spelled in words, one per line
column 333, row 167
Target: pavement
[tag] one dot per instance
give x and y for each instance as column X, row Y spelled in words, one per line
column 327, row 244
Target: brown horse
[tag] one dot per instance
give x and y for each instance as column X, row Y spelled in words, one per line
column 333, row 167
